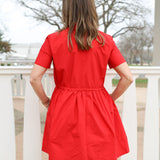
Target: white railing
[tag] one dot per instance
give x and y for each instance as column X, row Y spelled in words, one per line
column 18, row 62
column 31, row 130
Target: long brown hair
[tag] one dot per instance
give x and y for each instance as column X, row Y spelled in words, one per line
column 81, row 13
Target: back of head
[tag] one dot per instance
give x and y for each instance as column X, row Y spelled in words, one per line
column 83, row 14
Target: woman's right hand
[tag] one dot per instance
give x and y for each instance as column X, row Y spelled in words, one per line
column 46, row 104
column 111, row 96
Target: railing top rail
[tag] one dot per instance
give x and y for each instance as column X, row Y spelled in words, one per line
column 18, row 60
column 136, row 70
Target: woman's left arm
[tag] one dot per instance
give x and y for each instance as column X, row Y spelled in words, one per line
column 35, row 80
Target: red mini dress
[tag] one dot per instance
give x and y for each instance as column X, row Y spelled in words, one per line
column 82, row 121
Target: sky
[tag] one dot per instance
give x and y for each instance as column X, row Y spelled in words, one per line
column 21, row 29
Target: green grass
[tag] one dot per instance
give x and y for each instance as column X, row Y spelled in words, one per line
column 134, row 65
column 8, row 64
column 140, row 82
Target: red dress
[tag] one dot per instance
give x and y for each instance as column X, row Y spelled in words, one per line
column 82, row 122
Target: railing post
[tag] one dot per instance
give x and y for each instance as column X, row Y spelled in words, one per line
column 32, row 131
column 129, row 119
column 151, row 125
column 7, row 134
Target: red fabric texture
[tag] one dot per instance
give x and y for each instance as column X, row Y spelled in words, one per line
column 82, row 122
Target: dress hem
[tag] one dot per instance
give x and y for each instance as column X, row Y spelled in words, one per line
column 118, row 156
column 45, row 150
column 122, row 153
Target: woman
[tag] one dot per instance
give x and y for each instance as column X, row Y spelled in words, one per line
column 83, row 122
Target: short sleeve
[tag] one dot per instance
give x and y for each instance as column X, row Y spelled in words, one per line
column 115, row 58
column 44, row 57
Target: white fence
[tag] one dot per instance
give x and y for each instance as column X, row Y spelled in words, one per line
column 18, row 62
column 15, row 82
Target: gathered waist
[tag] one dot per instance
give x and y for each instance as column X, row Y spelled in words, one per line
column 80, row 88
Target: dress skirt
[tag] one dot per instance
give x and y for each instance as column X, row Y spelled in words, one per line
column 83, row 124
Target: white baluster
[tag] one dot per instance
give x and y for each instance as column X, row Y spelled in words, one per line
column 13, row 84
column 7, row 134
column 151, row 125
column 129, row 119
column 22, row 86
column 18, row 82
column 32, row 131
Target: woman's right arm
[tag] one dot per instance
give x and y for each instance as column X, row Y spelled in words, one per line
column 125, row 81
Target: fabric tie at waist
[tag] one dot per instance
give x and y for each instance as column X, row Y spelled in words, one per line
column 80, row 88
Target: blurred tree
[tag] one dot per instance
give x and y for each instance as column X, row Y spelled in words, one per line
column 121, row 16
column 133, row 44
column 5, row 46
column 126, row 15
